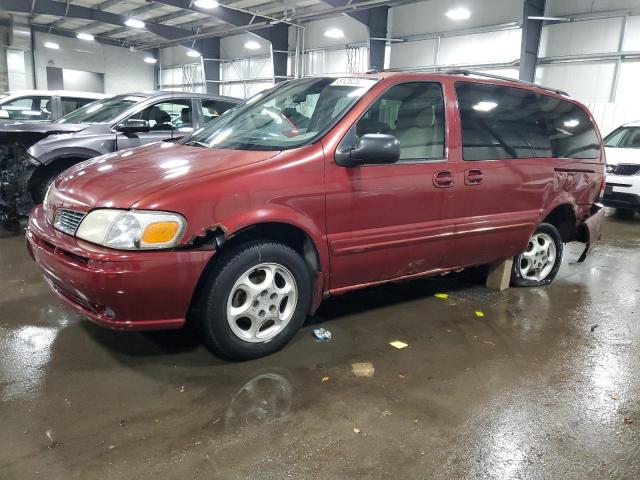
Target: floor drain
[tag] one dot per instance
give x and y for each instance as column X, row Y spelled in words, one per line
column 481, row 295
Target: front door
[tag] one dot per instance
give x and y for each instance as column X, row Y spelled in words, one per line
column 385, row 221
column 166, row 119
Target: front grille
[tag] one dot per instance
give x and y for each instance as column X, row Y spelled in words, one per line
column 68, row 221
column 623, row 169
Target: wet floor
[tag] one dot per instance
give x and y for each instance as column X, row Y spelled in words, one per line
column 545, row 385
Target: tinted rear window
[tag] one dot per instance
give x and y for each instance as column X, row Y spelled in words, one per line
column 504, row 123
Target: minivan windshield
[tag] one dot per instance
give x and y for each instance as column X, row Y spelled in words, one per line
column 102, row 111
column 288, row 116
column 623, row 137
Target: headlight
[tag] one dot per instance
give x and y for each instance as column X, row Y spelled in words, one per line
column 131, row 229
column 48, row 211
column 610, row 169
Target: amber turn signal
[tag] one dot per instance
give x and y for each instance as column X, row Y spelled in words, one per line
column 160, row 232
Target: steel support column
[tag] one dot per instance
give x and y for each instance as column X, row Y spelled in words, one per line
column 530, row 44
column 279, row 51
column 209, row 48
column 377, row 32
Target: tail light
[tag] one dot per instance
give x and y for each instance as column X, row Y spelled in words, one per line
column 603, row 184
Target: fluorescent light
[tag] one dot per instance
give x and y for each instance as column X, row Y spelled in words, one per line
column 85, row 36
column 334, row 33
column 458, row 13
column 252, row 45
column 484, row 106
column 150, row 60
column 134, row 23
column 206, row 4
column 192, row 53
column 52, row 45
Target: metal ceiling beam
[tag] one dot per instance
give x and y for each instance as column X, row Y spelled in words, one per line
column 71, row 34
column 530, row 43
column 59, row 9
column 231, row 15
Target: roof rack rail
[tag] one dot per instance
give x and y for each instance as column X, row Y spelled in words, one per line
column 507, row 79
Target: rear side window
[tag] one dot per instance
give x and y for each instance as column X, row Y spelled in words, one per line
column 69, row 104
column 506, row 123
column 212, row 109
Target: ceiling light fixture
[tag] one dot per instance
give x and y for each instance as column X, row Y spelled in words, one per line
column 206, row 4
column 252, row 45
column 85, row 36
column 51, row 45
column 484, row 106
column 150, row 60
column 334, row 33
column 192, row 53
column 134, row 23
column 458, row 13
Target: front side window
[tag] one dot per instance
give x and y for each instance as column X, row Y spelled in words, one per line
column 27, row 108
column 411, row 112
column 168, row 115
column 623, row 137
column 102, row 111
column 507, row 123
column 288, row 116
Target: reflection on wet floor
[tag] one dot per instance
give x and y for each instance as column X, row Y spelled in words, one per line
column 545, row 385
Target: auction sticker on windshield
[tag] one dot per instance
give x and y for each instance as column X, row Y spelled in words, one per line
column 354, row 82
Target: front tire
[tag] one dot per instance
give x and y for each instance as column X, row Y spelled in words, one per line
column 625, row 213
column 254, row 300
column 539, row 263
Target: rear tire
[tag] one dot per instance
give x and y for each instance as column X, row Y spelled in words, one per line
column 539, row 263
column 625, row 213
column 254, row 300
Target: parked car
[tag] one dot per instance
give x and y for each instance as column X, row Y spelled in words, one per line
column 33, row 154
column 42, row 105
column 319, row 187
column 622, row 190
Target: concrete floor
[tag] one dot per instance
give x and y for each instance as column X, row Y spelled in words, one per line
column 545, row 385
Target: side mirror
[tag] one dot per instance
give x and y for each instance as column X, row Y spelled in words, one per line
column 372, row 149
column 132, row 125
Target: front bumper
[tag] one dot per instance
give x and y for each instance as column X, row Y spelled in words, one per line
column 622, row 191
column 120, row 290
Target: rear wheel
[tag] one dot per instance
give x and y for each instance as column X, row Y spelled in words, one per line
column 255, row 300
column 540, row 262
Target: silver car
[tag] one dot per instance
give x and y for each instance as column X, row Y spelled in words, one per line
column 32, row 155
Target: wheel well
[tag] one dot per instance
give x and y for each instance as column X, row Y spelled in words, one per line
column 563, row 218
column 288, row 234
column 55, row 165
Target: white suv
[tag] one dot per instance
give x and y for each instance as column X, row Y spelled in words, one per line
column 622, row 190
column 42, row 105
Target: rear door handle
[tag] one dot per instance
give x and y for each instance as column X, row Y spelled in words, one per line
column 443, row 179
column 473, row 176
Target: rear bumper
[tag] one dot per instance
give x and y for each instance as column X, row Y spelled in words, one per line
column 589, row 230
column 119, row 290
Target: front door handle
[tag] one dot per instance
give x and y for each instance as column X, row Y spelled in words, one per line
column 473, row 176
column 443, row 179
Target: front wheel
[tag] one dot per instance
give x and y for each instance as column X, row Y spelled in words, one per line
column 255, row 300
column 540, row 262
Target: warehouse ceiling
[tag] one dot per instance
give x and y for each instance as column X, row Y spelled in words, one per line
column 169, row 20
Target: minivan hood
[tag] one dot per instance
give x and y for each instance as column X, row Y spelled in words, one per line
column 616, row 156
column 119, row 180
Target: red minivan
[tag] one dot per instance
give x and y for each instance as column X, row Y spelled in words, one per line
column 317, row 187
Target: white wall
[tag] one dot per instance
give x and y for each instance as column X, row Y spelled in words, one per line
column 124, row 71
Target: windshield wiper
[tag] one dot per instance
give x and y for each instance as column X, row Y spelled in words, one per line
column 199, row 144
